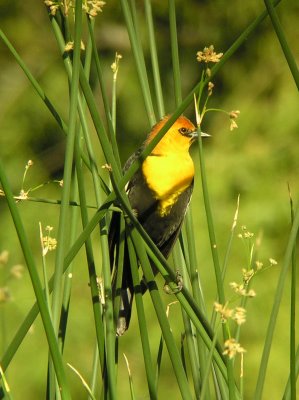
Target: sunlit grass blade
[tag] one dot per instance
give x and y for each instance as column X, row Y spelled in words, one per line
column 133, row 397
column 4, row 387
column 84, row 383
column 95, row 376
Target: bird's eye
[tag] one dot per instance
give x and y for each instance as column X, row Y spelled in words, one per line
column 183, row 130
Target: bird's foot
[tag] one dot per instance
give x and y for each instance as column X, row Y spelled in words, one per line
column 178, row 287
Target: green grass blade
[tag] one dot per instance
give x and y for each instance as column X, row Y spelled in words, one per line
column 67, row 175
column 149, row 368
column 287, row 392
column 28, row 321
column 95, row 372
column 139, row 61
column 107, row 330
column 283, row 41
column 159, row 360
column 205, row 379
column 101, row 79
column 101, row 132
column 180, row 265
column 162, row 318
column 214, row 251
column 83, row 381
column 4, row 387
column 290, row 390
column 275, row 307
column 133, row 397
column 33, row 82
column 196, row 288
column 53, row 345
column 154, row 58
column 293, row 315
column 175, row 53
column 97, row 309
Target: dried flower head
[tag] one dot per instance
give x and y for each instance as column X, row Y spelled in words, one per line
column 4, row 257
column 93, row 7
column 233, row 115
column 107, row 167
column 48, row 243
column 224, row 311
column 210, row 88
column 232, row 347
column 115, row 64
column 5, row 295
column 247, row 275
column 239, row 315
column 241, row 290
column 208, row 55
column 245, row 233
column 53, row 6
column 259, row 265
column 70, row 46
column 23, row 195
column 17, row 271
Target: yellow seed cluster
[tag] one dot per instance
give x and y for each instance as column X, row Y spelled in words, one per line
column 208, row 55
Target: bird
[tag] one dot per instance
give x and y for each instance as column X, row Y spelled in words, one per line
column 159, row 194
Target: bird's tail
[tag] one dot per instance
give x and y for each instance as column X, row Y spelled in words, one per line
column 122, row 286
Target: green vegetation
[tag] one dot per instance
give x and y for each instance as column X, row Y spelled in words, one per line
column 81, row 85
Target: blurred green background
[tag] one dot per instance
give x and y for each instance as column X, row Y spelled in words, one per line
column 257, row 161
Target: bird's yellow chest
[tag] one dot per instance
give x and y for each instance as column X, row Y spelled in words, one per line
column 167, row 177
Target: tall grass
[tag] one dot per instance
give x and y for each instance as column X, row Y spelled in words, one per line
column 202, row 366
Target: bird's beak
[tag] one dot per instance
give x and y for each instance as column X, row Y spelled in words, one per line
column 194, row 135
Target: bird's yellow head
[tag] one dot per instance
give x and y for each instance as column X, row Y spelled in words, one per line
column 177, row 139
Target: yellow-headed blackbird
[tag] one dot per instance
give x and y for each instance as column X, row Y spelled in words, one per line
column 159, row 194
